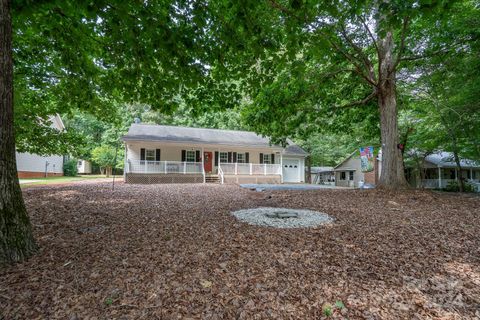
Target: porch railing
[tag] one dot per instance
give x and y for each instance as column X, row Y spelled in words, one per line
column 435, row 183
column 166, row 167
column 250, row 169
column 220, row 174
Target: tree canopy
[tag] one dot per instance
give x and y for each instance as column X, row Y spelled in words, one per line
column 388, row 72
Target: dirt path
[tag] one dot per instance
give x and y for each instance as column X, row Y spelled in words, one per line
column 173, row 251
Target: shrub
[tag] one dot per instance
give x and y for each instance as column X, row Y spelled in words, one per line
column 452, row 186
column 70, row 168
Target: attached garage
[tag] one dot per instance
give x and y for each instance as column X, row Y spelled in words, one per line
column 291, row 170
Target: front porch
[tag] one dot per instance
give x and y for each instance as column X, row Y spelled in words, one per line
column 143, row 171
column 440, row 178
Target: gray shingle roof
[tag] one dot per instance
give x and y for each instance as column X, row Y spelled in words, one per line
column 148, row 132
column 446, row 159
column 294, row 150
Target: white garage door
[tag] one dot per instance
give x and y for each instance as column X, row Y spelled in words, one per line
column 291, row 170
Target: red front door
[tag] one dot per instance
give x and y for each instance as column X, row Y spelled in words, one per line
column 207, row 161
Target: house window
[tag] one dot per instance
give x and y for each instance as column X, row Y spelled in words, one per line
column 223, row 157
column 343, row 175
column 350, row 176
column 267, row 158
column 150, row 154
column 79, row 163
column 241, row 157
column 190, row 156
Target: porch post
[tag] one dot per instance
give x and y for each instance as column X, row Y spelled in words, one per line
column 456, row 174
column 439, row 177
column 281, row 167
column 185, row 167
column 203, row 164
column 145, row 163
column 471, row 174
column 251, row 168
column 264, row 169
column 236, row 168
column 125, row 164
column 165, row 167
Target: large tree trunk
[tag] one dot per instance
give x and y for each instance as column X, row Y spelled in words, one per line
column 392, row 173
column 16, row 239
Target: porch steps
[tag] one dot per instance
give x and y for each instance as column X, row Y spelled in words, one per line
column 212, row 179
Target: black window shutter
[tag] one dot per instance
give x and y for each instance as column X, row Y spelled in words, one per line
column 261, row 157
column 247, row 160
column 184, row 155
column 157, row 155
column 216, row 158
column 142, row 154
column 273, row 157
column 197, row 156
column 234, row 157
column 229, row 157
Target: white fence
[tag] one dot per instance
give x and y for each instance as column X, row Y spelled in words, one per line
column 250, row 168
column 144, row 166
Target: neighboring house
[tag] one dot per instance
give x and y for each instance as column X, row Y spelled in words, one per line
column 348, row 173
column 440, row 169
column 169, row 154
column 323, row 175
column 35, row 166
column 84, row 167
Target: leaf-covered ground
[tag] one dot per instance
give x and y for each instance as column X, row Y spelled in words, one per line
column 175, row 252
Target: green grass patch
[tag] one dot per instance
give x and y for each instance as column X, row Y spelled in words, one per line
column 60, row 179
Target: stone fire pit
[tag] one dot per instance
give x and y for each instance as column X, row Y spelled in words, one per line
column 282, row 217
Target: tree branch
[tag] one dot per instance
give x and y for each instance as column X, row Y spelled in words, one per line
column 374, row 41
column 406, row 20
column 364, row 58
column 352, row 59
column 424, row 56
column 362, row 102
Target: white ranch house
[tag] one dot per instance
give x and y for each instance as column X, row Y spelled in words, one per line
column 30, row 165
column 441, row 169
column 169, row 154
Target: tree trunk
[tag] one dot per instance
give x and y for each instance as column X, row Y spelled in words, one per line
column 108, row 171
column 392, row 173
column 309, row 166
column 16, row 238
column 453, row 137
column 461, row 183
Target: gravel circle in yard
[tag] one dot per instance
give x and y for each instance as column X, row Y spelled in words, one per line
column 283, row 217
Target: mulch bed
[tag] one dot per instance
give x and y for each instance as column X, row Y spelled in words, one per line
column 175, row 252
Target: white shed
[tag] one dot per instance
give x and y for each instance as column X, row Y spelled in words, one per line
column 84, row 166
